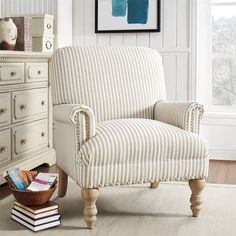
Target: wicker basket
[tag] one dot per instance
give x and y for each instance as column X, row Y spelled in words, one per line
column 30, row 198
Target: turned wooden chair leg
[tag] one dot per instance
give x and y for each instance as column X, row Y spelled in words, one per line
column 196, row 186
column 90, row 210
column 154, row 184
column 62, row 186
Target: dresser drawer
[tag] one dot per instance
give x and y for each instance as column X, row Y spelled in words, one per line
column 37, row 72
column 29, row 103
column 30, row 136
column 5, row 146
column 5, row 109
column 11, row 73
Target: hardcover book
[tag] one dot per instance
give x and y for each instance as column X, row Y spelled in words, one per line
column 36, row 216
column 35, row 222
column 24, row 33
column 33, row 227
column 8, row 179
column 15, row 178
column 38, row 209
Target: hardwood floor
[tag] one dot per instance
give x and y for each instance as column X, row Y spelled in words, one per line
column 220, row 172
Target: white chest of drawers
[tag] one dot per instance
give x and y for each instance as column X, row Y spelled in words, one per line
column 25, row 111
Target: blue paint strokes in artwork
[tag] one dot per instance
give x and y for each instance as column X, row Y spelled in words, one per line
column 119, row 7
column 138, row 11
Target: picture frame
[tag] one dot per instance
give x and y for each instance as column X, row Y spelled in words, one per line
column 127, row 16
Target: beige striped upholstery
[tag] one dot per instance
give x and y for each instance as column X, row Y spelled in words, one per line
column 185, row 115
column 132, row 141
column 109, row 79
column 111, row 119
column 121, row 148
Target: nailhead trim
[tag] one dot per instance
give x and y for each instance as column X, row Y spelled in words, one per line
column 145, row 181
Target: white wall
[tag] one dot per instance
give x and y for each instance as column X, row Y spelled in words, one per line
column 220, row 131
column 174, row 41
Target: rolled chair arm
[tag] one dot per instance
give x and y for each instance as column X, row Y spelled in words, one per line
column 185, row 115
column 73, row 114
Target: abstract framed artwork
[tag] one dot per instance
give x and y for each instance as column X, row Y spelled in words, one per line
column 114, row 16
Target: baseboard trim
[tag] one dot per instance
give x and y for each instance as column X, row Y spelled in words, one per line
column 222, row 154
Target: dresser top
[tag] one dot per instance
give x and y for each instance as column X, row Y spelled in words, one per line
column 23, row 54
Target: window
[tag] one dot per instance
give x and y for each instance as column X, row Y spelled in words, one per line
column 224, row 53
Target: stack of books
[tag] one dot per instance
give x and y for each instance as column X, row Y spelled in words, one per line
column 36, row 217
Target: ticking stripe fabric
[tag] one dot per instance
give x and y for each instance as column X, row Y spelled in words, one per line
column 115, row 82
column 128, row 150
column 185, row 115
column 125, row 174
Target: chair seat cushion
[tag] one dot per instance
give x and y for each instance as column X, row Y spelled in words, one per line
column 137, row 141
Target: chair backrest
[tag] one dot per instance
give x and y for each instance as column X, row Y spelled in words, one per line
column 115, row 82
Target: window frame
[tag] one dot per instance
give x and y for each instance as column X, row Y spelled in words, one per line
column 209, row 106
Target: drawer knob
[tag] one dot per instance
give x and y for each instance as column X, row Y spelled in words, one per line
column 43, row 103
column 3, row 111
column 49, row 26
column 23, row 107
column 3, row 149
column 42, row 134
column 48, row 45
column 23, row 141
column 39, row 72
column 13, row 73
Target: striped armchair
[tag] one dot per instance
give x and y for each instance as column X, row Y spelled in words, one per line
column 113, row 126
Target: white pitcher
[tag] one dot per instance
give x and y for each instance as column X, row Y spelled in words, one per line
column 8, row 34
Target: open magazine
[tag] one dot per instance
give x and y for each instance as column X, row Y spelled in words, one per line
column 43, row 181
